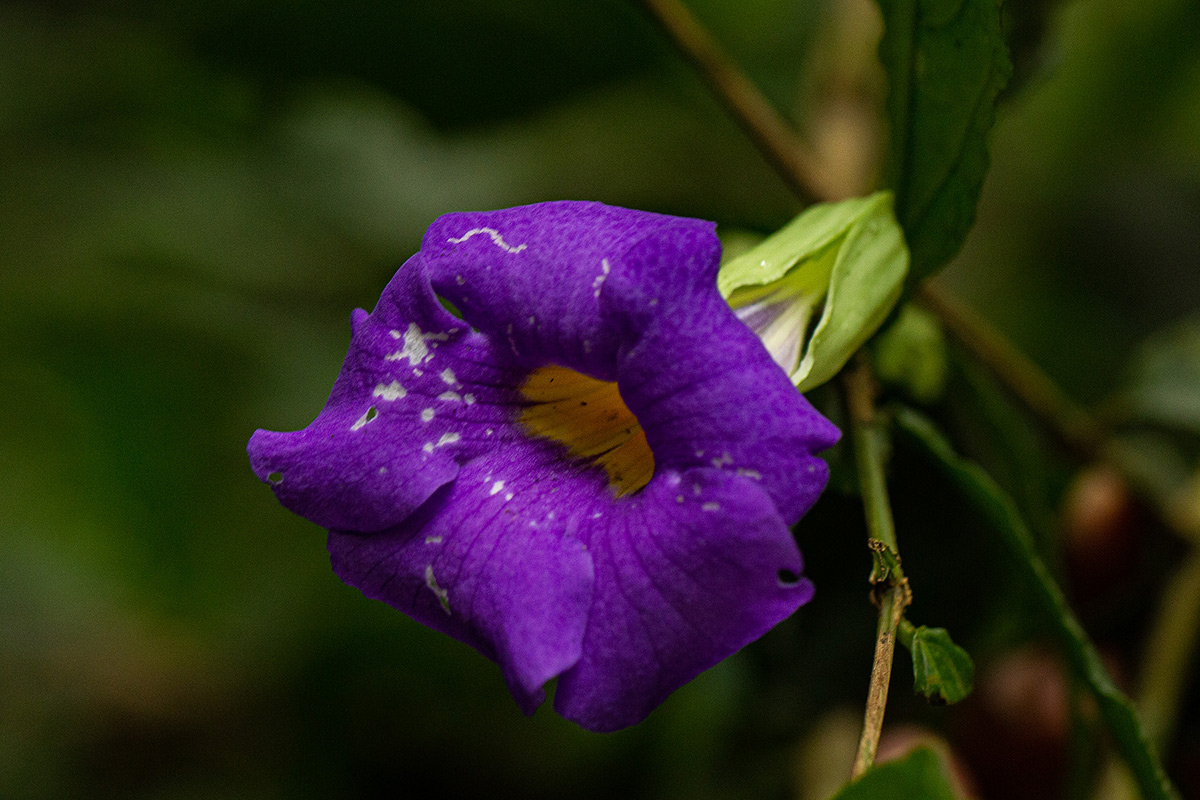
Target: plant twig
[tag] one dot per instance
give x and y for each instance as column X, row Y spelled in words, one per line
column 1001, row 513
column 773, row 137
column 890, row 588
column 1165, row 664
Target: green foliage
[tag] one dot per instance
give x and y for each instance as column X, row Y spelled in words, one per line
column 911, row 352
column 1001, row 513
column 850, row 255
column 946, row 62
column 942, row 671
column 1164, row 387
column 918, row 775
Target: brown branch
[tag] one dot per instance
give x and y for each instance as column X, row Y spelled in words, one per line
column 1070, row 424
column 773, row 137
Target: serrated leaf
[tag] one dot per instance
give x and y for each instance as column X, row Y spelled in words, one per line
column 1001, row 514
column 846, row 259
column 918, row 775
column 946, row 62
column 942, row 671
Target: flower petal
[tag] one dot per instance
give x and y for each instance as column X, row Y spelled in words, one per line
column 492, row 561
column 442, row 504
column 703, row 386
column 415, row 397
column 700, row 565
column 532, row 276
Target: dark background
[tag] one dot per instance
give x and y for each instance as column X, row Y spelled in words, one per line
column 194, row 196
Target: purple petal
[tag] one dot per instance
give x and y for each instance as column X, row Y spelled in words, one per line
column 494, row 563
column 532, row 276
column 440, row 504
column 697, row 567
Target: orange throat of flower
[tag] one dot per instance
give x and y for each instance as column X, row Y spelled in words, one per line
column 589, row 418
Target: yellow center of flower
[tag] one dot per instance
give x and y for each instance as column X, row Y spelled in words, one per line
column 591, row 420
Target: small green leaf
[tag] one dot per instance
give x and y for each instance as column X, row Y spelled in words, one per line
column 942, row 671
column 911, row 353
column 1164, row 386
column 946, row 62
column 846, row 260
column 998, row 509
column 919, row 775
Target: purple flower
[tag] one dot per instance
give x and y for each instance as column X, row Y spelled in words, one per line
column 485, row 475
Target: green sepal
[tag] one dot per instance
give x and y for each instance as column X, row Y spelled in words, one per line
column 942, row 671
column 920, row 774
column 846, row 259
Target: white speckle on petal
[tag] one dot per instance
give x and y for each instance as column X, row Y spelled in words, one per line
column 395, row 334
column 443, row 596
column 450, row 397
column 699, row 454
column 710, row 507
column 488, row 432
column 383, row 470
column 469, row 399
column 367, row 416
column 497, row 239
column 415, row 349
column 604, row 270
column 696, row 489
column 448, row 376
column 508, row 496
column 597, row 515
column 678, row 498
column 448, row 438
column 749, row 473
column 460, row 280
column 428, row 448
column 427, row 415
column 433, row 540
column 497, row 487
column 392, row 391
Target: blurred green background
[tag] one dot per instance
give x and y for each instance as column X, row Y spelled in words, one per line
column 194, row 196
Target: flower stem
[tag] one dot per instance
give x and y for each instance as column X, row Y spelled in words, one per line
column 889, row 586
column 773, row 137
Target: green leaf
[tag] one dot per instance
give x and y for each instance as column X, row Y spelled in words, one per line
column 942, row 671
column 847, row 259
column 946, row 62
column 1001, row 514
column 1164, row 386
column 918, row 775
column 911, row 353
